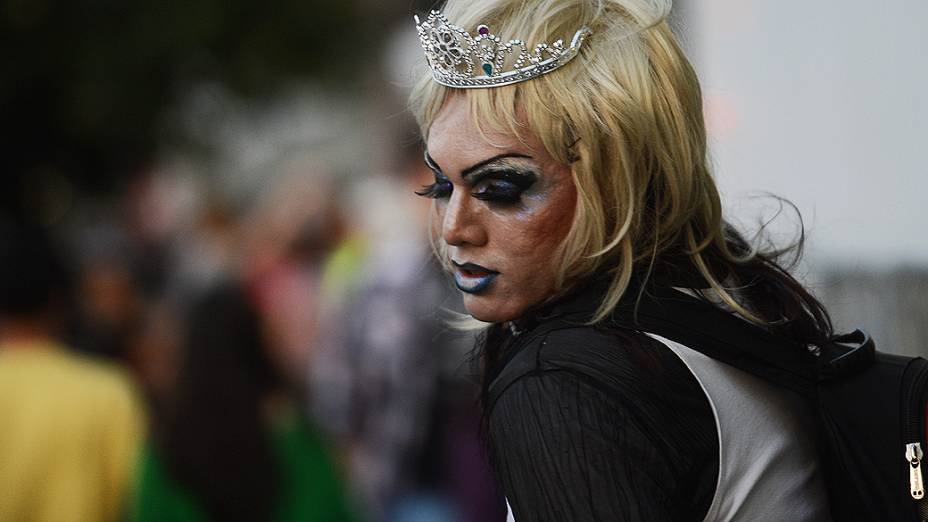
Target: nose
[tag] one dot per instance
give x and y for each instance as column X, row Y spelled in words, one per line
column 461, row 224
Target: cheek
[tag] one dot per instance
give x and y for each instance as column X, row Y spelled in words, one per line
column 533, row 233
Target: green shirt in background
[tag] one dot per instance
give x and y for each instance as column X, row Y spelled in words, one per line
column 311, row 490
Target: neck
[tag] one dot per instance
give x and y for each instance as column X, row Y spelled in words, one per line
column 24, row 332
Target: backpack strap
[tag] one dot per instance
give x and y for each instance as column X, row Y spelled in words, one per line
column 720, row 335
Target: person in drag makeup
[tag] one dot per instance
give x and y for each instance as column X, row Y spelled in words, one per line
column 572, row 189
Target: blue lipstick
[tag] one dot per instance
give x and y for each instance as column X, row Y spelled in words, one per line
column 472, row 278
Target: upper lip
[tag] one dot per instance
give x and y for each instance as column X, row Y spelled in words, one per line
column 473, row 267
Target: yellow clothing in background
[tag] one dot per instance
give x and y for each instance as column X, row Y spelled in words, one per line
column 70, row 431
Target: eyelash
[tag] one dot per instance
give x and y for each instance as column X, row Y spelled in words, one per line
column 437, row 190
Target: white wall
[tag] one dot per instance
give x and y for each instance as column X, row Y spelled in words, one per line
column 822, row 102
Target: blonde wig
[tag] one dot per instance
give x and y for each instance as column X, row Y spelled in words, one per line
column 626, row 114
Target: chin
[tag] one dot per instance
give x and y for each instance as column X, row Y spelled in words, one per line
column 489, row 310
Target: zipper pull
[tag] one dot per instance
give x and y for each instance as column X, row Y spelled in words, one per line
column 913, row 454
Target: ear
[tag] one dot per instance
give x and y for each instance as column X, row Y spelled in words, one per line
column 572, row 154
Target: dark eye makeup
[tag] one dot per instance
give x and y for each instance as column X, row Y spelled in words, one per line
column 440, row 189
column 502, row 184
column 442, row 186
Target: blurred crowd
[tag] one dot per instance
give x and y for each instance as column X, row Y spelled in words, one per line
column 218, row 301
column 286, row 357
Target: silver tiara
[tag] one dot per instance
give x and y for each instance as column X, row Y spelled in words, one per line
column 454, row 55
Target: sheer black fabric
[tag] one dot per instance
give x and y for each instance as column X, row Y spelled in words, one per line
column 590, row 424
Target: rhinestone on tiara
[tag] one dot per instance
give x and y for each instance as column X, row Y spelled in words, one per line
column 454, row 55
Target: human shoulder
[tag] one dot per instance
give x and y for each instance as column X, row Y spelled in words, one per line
column 618, row 361
column 89, row 390
column 609, row 402
column 102, row 377
column 584, row 348
column 53, row 365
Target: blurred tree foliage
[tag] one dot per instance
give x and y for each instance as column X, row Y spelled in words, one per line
column 84, row 82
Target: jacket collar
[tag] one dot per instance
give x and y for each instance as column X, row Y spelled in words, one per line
column 580, row 304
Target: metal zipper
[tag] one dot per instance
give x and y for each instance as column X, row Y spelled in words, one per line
column 913, row 454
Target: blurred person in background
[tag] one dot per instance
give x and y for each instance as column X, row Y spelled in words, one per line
column 391, row 381
column 230, row 444
column 71, row 424
column 290, row 234
column 108, row 301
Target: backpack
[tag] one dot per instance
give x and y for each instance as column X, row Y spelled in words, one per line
column 870, row 405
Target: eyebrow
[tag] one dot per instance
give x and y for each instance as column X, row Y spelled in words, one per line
column 430, row 161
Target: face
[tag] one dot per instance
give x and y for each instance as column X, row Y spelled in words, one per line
column 503, row 206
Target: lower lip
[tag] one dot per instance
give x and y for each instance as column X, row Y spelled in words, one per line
column 473, row 284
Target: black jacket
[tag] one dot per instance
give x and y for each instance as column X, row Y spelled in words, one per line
column 598, row 423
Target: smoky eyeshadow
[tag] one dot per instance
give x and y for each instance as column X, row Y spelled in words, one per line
column 519, row 176
column 497, row 180
column 501, row 184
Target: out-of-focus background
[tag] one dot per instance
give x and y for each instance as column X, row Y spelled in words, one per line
column 823, row 103
column 229, row 185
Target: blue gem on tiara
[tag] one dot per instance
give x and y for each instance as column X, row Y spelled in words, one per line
column 453, row 54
